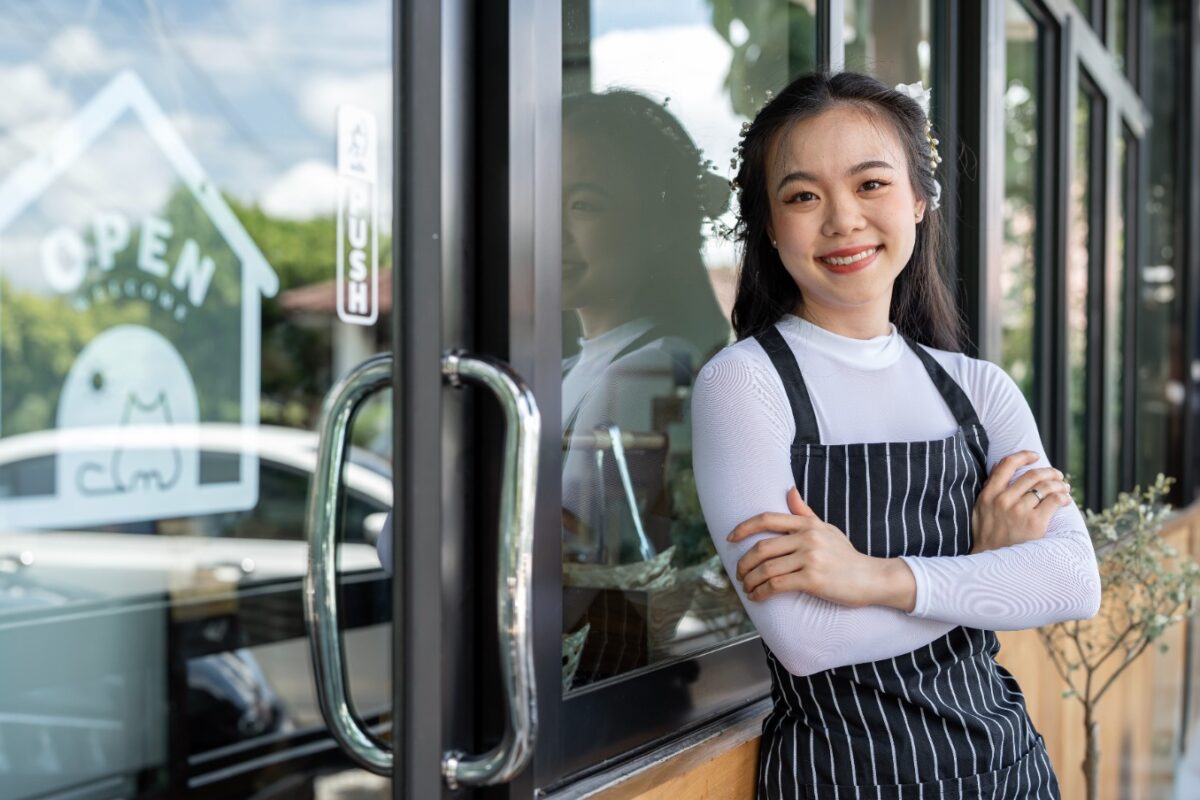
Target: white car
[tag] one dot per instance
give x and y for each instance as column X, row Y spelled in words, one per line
column 130, row 624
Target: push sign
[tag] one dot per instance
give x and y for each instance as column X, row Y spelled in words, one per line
column 357, row 216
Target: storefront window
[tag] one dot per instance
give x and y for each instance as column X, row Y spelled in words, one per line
column 1159, row 319
column 171, row 316
column 889, row 40
column 1114, row 330
column 652, row 108
column 1021, row 154
column 1120, row 34
column 1078, row 256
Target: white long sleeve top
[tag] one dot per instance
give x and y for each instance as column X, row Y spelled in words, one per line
column 875, row 390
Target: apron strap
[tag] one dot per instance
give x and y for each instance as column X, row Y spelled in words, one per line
column 951, row 392
column 793, row 383
column 807, row 432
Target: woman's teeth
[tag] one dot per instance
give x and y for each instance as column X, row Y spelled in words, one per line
column 850, row 259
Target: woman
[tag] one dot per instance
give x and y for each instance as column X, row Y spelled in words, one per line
column 636, row 192
column 842, row 450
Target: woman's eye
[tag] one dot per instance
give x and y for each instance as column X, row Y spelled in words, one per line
column 801, row 197
column 584, row 205
column 878, row 185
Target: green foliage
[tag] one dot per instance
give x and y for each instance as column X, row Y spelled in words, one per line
column 689, row 533
column 781, row 44
column 41, row 335
column 1148, row 586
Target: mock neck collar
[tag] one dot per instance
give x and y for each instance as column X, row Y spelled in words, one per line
column 877, row 352
column 617, row 337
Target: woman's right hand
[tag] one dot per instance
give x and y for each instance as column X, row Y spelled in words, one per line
column 1006, row 515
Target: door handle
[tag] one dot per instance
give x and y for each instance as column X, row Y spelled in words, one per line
column 518, row 497
column 514, row 618
column 320, row 581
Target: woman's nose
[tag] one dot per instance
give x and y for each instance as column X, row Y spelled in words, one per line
column 842, row 216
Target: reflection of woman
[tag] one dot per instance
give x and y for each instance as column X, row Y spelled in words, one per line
column 635, row 193
column 842, row 456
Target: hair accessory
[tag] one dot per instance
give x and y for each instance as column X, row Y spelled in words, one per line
column 737, row 148
column 918, row 92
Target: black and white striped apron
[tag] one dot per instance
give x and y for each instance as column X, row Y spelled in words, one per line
column 942, row 721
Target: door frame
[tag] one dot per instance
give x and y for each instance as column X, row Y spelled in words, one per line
column 433, row 593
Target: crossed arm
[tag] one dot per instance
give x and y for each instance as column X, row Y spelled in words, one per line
column 862, row 609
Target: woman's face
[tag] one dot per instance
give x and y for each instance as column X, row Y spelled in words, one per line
column 839, row 189
column 604, row 236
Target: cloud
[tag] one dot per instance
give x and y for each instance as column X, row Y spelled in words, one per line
column 688, row 64
column 77, row 51
column 31, row 97
column 306, row 190
column 322, row 94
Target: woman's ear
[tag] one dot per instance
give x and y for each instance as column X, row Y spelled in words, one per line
column 919, row 210
column 771, row 235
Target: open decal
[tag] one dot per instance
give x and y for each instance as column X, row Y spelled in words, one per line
column 170, row 301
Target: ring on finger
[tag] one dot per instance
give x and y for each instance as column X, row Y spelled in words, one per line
column 1034, row 491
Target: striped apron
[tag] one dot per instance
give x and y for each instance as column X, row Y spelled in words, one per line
column 942, row 721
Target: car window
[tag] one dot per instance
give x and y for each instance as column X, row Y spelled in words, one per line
column 279, row 514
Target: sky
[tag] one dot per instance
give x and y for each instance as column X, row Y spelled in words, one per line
column 252, row 87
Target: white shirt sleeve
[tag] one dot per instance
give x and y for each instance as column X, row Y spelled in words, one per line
column 742, row 429
column 1027, row 585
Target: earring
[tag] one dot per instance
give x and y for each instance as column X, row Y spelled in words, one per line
column 773, row 243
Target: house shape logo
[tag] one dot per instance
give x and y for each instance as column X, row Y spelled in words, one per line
column 175, row 354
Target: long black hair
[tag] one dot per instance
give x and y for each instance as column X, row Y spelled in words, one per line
column 922, row 307
column 685, row 192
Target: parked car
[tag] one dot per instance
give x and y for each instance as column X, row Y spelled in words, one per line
column 201, row 611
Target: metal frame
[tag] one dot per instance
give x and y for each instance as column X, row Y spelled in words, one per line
column 1134, row 183
column 433, row 699
column 519, row 79
column 1050, row 200
column 831, row 41
column 1099, row 236
column 988, row 196
column 946, row 42
column 1191, row 256
column 1055, row 420
column 519, row 318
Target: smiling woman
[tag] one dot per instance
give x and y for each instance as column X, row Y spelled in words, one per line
column 856, row 211
column 872, row 549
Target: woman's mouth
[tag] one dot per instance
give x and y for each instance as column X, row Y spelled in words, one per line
column 854, row 263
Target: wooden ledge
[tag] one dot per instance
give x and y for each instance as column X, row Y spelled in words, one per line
column 719, row 760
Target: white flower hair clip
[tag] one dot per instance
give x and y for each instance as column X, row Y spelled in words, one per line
column 918, row 92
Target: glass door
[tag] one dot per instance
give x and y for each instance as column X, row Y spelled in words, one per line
column 196, row 205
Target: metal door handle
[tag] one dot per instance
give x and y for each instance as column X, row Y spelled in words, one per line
column 320, row 581
column 514, row 616
column 514, row 591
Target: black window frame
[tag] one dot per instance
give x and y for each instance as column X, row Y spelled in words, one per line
column 517, row 317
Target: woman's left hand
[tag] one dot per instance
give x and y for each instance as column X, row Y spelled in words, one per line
column 809, row 556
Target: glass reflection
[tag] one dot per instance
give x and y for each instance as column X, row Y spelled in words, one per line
column 1114, row 333
column 1160, row 339
column 1078, row 256
column 168, row 326
column 1019, row 262
column 635, row 193
column 889, row 40
column 647, row 285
